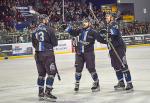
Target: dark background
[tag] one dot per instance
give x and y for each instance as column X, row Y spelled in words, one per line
column 98, row 3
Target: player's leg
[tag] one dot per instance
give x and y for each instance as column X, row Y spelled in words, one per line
column 90, row 65
column 41, row 76
column 126, row 70
column 79, row 64
column 51, row 71
column 117, row 67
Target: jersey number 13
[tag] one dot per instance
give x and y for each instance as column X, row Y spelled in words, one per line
column 40, row 36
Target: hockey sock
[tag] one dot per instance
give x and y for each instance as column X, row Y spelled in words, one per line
column 119, row 75
column 50, row 81
column 77, row 76
column 41, row 81
column 127, row 76
column 94, row 76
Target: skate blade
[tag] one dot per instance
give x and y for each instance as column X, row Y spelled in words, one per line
column 129, row 91
column 50, row 99
column 119, row 89
column 96, row 90
column 41, row 98
column 76, row 91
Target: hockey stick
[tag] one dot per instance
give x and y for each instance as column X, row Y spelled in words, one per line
column 100, row 23
column 107, row 39
column 59, row 78
column 34, row 12
column 111, row 45
column 92, row 12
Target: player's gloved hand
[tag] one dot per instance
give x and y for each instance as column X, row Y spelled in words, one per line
column 68, row 28
column 103, row 33
column 64, row 26
column 84, row 43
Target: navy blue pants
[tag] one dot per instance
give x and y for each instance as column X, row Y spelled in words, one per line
column 87, row 58
column 115, row 61
column 45, row 62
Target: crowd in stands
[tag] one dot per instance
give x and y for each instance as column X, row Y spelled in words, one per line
column 10, row 16
column 135, row 28
column 75, row 10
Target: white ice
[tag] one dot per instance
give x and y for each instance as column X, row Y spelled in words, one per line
column 18, row 80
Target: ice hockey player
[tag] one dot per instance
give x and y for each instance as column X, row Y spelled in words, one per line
column 114, row 36
column 84, row 48
column 43, row 40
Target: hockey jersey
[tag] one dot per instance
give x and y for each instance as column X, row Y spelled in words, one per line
column 114, row 35
column 43, row 38
column 84, row 39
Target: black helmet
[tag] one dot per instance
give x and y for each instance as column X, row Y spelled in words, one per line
column 103, row 31
column 43, row 16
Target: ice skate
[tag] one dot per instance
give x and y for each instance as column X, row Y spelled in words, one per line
column 49, row 96
column 95, row 87
column 76, row 89
column 129, row 87
column 120, row 86
column 41, row 93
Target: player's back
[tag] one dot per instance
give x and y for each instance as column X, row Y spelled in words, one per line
column 42, row 38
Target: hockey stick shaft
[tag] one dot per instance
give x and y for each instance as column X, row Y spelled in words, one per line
column 116, row 53
column 100, row 23
column 59, row 78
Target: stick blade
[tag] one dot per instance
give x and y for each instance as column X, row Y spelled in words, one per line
column 90, row 6
column 32, row 11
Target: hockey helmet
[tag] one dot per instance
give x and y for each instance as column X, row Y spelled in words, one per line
column 42, row 17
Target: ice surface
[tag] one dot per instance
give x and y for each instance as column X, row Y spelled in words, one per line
column 18, row 80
